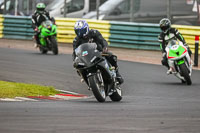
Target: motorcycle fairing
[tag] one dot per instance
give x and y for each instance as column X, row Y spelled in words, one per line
column 46, row 31
column 176, row 51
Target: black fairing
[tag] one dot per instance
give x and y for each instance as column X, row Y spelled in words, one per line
column 90, row 59
column 86, row 52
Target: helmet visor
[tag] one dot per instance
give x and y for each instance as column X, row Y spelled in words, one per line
column 81, row 32
column 40, row 10
column 164, row 28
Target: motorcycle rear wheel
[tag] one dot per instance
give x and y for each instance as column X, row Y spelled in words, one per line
column 185, row 73
column 97, row 89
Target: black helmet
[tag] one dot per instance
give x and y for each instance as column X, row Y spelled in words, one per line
column 165, row 24
column 40, row 7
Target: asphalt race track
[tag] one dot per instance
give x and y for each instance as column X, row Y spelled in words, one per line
column 153, row 102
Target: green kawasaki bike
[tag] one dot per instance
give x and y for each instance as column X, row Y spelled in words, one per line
column 47, row 37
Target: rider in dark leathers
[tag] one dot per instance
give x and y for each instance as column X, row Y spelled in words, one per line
column 167, row 34
column 84, row 35
column 38, row 17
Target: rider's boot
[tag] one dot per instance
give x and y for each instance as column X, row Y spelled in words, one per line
column 37, row 44
column 82, row 80
column 119, row 77
column 165, row 63
column 169, row 71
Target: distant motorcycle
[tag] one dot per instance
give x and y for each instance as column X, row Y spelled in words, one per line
column 99, row 75
column 47, row 37
column 179, row 61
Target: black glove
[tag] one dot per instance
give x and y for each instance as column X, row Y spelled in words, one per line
column 105, row 49
column 185, row 44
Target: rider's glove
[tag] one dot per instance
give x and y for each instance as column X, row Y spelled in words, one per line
column 185, row 44
column 36, row 29
column 105, row 49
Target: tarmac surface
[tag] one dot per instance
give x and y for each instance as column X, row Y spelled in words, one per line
column 153, row 102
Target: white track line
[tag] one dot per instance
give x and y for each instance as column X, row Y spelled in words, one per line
column 25, row 99
column 70, row 92
column 55, row 96
column 66, row 97
column 9, row 99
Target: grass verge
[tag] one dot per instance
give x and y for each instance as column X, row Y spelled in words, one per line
column 12, row 90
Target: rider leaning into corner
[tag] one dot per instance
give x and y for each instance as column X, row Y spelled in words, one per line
column 85, row 35
column 167, row 34
column 38, row 17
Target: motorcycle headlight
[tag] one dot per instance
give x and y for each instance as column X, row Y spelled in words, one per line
column 78, row 65
column 81, row 64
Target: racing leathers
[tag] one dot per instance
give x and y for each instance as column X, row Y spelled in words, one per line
column 164, row 38
column 37, row 19
column 96, row 37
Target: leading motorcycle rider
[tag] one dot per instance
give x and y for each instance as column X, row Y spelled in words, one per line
column 86, row 35
column 38, row 17
column 167, row 34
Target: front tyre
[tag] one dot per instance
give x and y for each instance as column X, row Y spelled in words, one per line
column 97, row 85
column 54, row 45
column 185, row 73
column 117, row 94
column 43, row 50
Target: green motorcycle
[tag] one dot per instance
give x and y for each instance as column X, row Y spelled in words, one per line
column 47, row 37
column 179, row 61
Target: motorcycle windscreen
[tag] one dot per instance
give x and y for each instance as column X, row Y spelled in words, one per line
column 48, row 29
column 86, row 52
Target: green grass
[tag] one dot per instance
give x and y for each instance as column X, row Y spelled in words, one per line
column 11, row 90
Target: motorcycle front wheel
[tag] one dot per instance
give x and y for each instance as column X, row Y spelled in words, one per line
column 54, row 45
column 185, row 73
column 43, row 50
column 97, row 85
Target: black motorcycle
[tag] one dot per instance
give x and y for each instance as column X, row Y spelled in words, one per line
column 97, row 72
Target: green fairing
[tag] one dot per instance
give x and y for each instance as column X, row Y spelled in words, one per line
column 46, row 32
column 173, row 53
column 180, row 62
